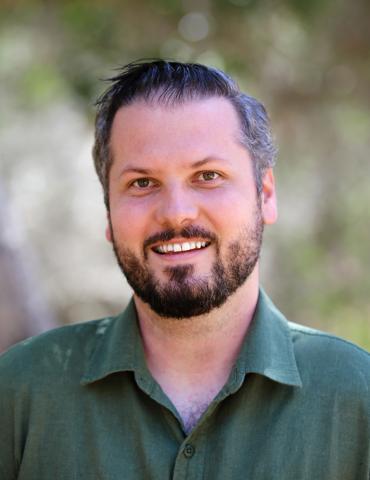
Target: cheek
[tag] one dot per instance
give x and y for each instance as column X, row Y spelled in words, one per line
column 230, row 209
column 130, row 225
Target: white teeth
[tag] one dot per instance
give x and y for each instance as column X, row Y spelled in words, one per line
column 180, row 247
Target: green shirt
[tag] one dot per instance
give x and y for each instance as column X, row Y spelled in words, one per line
column 79, row 403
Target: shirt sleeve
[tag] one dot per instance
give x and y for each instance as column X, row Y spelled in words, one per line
column 9, row 418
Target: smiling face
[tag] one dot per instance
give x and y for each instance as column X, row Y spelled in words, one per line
column 185, row 220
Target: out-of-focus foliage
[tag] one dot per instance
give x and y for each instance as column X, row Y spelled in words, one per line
column 308, row 61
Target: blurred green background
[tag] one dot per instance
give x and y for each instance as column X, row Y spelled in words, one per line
column 309, row 63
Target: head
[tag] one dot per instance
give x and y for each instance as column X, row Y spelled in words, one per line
column 172, row 83
column 185, row 162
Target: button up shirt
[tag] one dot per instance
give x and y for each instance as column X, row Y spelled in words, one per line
column 79, row 403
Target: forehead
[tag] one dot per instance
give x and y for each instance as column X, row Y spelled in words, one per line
column 142, row 124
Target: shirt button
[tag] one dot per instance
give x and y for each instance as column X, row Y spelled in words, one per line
column 189, row 450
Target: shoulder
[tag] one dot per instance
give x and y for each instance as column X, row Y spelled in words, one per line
column 61, row 351
column 330, row 361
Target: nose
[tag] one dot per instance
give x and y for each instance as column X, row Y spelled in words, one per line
column 177, row 207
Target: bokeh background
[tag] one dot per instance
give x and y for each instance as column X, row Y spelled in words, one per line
column 307, row 60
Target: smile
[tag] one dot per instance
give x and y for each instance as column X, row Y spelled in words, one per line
column 180, row 247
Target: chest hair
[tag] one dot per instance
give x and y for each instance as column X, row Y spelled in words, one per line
column 191, row 411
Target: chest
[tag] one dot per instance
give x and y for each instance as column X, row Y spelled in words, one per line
column 120, row 432
column 191, row 410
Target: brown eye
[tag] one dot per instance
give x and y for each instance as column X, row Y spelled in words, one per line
column 142, row 183
column 208, row 176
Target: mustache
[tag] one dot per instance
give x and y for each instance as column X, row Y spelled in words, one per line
column 190, row 231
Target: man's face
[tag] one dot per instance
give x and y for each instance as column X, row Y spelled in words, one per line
column 185, row 220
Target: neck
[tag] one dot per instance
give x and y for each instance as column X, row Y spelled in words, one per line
column 187, row 341
column 193, row 357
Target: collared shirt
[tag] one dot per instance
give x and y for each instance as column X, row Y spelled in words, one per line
column 79, row 403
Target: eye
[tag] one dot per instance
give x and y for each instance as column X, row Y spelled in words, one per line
column 208, row 176
column 143, row 183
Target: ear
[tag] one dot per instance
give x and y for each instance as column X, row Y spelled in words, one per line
column 108, row 231
column 268, row 198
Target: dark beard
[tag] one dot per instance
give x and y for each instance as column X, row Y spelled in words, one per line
column 184, row 295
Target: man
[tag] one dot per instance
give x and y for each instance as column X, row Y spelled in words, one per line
column 201, row 376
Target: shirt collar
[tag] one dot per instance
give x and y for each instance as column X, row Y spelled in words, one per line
column 118, row 347
column 267, row 349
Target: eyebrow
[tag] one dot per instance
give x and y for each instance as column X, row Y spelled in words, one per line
column 147, row 171
column 129, row 169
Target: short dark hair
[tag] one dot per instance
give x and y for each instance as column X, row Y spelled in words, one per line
column 174, row 83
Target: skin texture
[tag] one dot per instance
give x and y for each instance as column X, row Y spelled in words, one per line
column 177, row 168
